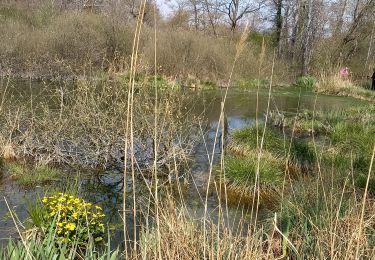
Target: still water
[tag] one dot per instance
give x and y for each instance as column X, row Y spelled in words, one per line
column 106, row 187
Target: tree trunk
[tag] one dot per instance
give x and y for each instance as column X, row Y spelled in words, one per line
column 306, row 40
column 278, row 23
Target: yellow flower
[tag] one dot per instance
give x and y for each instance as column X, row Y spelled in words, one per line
column 75, row 215
column 98, row 207
column 70, row 226
column 44, row 200
column 53, row 213
column 62, row 199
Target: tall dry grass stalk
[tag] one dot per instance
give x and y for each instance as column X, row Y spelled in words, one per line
column 239, row 48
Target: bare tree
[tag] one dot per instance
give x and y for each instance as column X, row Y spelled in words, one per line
column 340, row 16
column 235, row 10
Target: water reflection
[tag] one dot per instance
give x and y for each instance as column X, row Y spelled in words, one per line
column 240, row 111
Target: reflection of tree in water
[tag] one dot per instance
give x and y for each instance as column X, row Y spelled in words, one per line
column 106, row 189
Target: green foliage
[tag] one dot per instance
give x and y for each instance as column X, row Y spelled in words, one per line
column 73, row 220
column 46, row 248
column 302, row 151
column 63, row 227
column 38, row 214
column 353, row 137
column 307, row 82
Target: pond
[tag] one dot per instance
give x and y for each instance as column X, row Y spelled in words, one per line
column 106, row 187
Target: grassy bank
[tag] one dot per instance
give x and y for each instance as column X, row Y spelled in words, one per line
column 334, row 85
column 324, row 211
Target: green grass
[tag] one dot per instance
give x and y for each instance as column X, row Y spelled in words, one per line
column 30, row 176
column 241, row 162
column 251, row 138
column 344, row 139
column 37, row 247
column 274, row 143
column 243, row 170
column 307, row 82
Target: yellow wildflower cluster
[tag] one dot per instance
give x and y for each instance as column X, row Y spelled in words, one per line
column 74, row 218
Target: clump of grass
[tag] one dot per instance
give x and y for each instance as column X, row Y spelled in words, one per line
column 243, row 171
column 240, row 176
column 248, row 140
column 31, row 176
column 241, row 163
column 311, row 225
column 251, row 136
column 191, row 241
column 307, row 82
column 351, row 136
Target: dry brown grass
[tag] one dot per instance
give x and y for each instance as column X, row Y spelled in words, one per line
column 45, row 43
column 334, row 85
